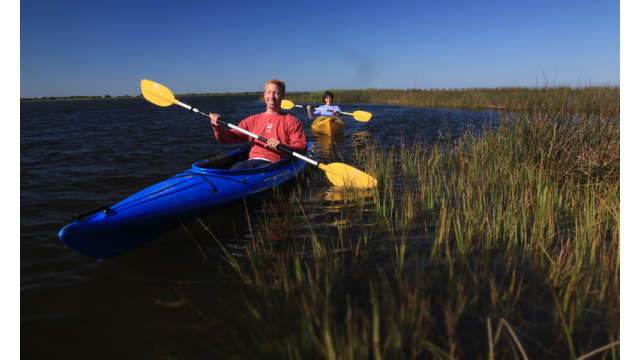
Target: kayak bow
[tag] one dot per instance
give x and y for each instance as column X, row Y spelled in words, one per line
column 328, row 125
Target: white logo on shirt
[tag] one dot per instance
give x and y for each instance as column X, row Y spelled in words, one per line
column 268, row 128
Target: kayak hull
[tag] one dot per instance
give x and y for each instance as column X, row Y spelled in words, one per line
column 328, row 125
column 160, row 207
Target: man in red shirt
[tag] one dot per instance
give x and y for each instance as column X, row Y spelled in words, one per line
column 273, row 124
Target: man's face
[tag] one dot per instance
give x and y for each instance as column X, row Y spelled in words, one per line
column 272, row 96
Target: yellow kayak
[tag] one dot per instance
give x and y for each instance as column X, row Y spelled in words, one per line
column 328, row 125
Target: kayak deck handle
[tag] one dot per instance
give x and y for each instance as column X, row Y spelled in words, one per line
column 79, row 217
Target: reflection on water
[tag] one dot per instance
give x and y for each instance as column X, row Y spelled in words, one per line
column 361, row 138
column 340, row 144
column 326, row 143
column 334, row 194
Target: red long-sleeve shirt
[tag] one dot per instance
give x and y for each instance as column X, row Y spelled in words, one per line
column 284, row 127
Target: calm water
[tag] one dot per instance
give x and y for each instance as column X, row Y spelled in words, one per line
column 79, row 155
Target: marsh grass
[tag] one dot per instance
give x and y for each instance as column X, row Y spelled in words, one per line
column 600, row 101
column 503, row 244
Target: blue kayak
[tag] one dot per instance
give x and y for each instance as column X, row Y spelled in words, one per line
column 206, row 187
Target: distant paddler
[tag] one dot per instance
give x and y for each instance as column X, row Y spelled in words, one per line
column 359, row 115
column 328, row 109
column 328, row 121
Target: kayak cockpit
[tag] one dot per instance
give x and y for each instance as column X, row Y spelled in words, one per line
column 223, row 162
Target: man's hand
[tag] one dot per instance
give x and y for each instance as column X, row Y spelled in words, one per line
column 214, row 119
column 273, row 143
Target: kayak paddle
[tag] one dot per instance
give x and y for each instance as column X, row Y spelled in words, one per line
column 340, row 175
column 359, row 115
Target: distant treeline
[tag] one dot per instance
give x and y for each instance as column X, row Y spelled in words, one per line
column 603, row 101
column 257, row 94
column 56, row 98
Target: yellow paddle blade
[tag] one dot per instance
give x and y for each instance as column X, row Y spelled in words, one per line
column 156, row 93
column 342, row 175
column 286, row 104
column 360, row 115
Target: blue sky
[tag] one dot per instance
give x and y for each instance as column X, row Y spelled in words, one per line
column 97, row 48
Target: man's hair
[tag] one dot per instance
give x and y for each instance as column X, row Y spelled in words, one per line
column 278, row 83
column 327, row 93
